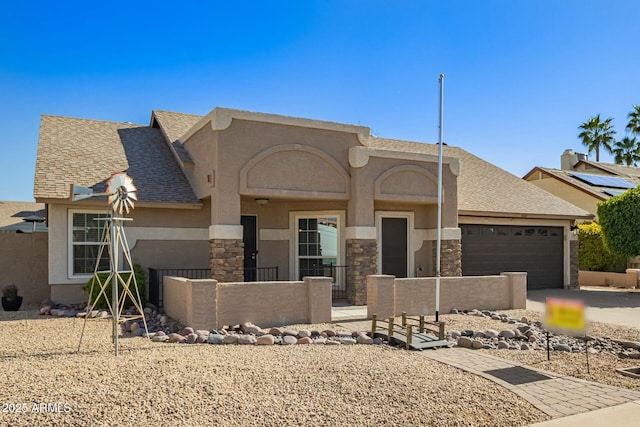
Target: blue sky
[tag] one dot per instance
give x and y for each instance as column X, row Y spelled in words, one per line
column 520, row 75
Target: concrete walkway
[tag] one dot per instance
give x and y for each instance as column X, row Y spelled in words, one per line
column 570, row 401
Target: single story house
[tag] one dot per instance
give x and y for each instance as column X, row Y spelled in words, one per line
column 236, row 191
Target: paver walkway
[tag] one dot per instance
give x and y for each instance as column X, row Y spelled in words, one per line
column 554, row 394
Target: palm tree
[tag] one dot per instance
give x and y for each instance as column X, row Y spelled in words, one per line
column 627, row 151
column 634, row 121
column 596, row 133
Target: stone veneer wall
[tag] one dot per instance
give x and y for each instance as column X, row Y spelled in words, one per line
column 574, row 267
column 362, row 260
column 450, row 258
column 227, row 260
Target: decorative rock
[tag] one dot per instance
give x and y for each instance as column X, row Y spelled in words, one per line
column 163, row 320
column 45, row 310
column 276, row 332
column 465, row 342
column 215, row 339
column 455, row 334
column 320, row 340
column 467, row 333
column 329, row 332
column 203, row 332
column 532, row 338
column 139, row 332
column 250, row 328
column 266, row 339
column 491, row 333
column 347, row 340
column 176, row 338
column 186, row 331
column 289, row 340
column 247, row 339
column 305, row 340
column 377, row 341
column 333, row 342
column 148, row 310
column 479, row 334
column 562, row 347
column 304, row 333
column 160, row 338
column 454, row 311
column 523, row 319
column 364, row 339
column 524, row 346
column 502, row 345
column 230, row 339
column 290, row 332
column 191, row 338
column 101, row 314
column 507, row 333
column 476, row 344
column 315, row 333
column 133, row 327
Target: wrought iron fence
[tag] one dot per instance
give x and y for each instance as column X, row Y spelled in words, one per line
column 156, row 276
column 337, row 272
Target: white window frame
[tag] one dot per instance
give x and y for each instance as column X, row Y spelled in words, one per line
column 294, row 265
column 70, row 244
column 409, row 216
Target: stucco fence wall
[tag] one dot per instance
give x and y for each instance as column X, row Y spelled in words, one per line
column 207, row 304
column 629, row 279
column 23, row 262
column 388, row 296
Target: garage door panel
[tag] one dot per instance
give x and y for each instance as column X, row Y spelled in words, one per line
column 489, row 249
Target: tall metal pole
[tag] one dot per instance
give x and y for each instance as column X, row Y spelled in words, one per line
column 439, row 220
column 114, row 281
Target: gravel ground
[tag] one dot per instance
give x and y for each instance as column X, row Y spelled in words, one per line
column 601, row 366
column 171, row 384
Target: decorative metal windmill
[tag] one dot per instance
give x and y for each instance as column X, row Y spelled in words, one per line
column 121, row 193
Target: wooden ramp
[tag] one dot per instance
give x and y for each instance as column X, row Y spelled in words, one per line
column 409, row 336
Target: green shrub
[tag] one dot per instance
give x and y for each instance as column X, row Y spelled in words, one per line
column 140, row 278
column 593, row 254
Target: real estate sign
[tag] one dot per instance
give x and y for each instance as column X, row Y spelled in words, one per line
column 566, row 315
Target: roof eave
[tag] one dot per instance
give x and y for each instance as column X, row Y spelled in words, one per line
column 526, row 215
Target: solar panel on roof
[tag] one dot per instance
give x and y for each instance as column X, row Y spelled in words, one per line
column 613, row 192
column 603, row 181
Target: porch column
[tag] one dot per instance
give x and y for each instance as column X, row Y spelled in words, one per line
column 362, row 261
column 573, row 262
column 226, row 253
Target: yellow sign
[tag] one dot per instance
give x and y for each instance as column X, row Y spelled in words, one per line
column 565, row 314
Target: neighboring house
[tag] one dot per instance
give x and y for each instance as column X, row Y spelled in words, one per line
column 23, row 250
column 234, row 190
column 584, row 183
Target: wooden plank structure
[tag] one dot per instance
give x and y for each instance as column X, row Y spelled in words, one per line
column 405, row 334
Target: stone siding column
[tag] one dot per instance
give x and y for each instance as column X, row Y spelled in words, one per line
column 362, row 260
column 574, row 266
column 227, row 260
column 450, row 258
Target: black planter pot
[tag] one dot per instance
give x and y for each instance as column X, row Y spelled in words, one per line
column 11, row 304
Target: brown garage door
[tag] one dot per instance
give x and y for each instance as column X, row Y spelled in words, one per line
column 492, row 249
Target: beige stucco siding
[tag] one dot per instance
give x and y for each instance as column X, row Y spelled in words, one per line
column 568, row 193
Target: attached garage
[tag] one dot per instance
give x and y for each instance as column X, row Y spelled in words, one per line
column 492, row 249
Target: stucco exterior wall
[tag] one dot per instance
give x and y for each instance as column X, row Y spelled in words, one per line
column 23, row 262
column 603, row 278
column 207, row 304
column 417, row 296
column 568, row 193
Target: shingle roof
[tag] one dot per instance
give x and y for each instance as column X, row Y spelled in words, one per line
column 86, row 152
column 174, row 126
column 612, row 168
column 12, row 216
column 485, row 188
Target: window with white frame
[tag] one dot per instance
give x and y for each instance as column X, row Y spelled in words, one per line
column 317, row 240
column 86, row 240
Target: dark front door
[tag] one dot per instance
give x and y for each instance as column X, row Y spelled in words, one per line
column 394, row 246
column 249, row 236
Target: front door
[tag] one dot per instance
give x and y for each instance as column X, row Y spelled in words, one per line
column 249, row 236
column 394, row 258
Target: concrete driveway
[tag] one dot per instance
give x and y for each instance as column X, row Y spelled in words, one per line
column 618, row 307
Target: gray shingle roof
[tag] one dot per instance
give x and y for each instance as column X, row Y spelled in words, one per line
column 485, row 188
column 87, row 152
column 174, row 126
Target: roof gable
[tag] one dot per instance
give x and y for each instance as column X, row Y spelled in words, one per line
column 87, row 152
